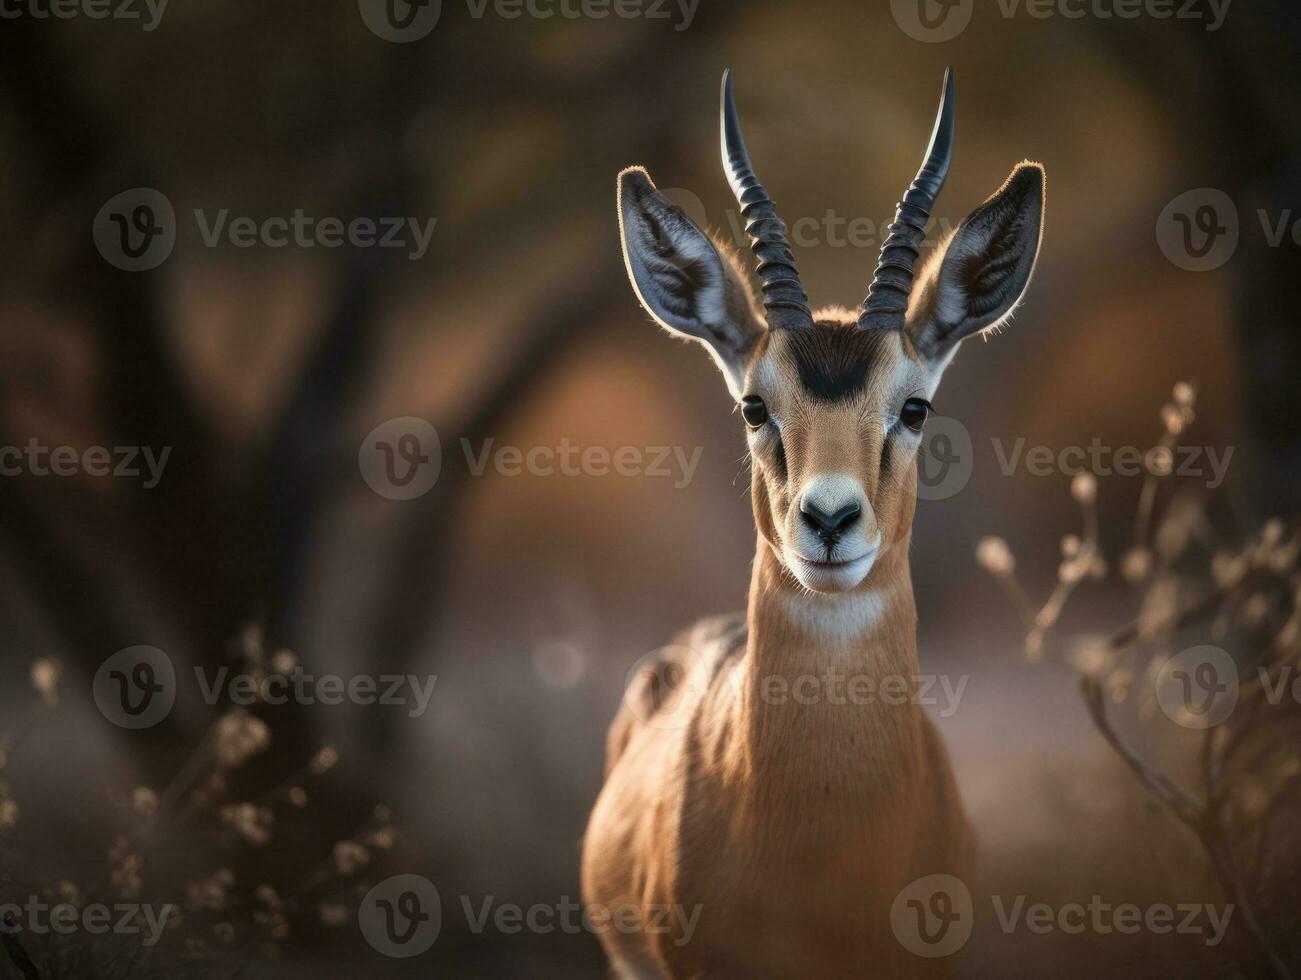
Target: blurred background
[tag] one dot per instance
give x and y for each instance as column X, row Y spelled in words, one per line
column 263, row 367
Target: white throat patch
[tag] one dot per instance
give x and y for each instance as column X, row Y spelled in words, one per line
column 836, row 619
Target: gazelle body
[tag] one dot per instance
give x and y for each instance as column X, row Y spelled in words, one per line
column 744, row 789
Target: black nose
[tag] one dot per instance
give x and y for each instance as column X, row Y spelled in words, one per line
column 829, row 525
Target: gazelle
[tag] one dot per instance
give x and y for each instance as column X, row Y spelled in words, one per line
column 792, row 823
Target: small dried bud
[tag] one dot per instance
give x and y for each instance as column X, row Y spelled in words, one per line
column 1084, row 488
column 1256, row 609
column 1160, row 461
column 333, row 914
column 350, row 857
column 239, row 737
column 144, row 801
column 284, row 662
column 298, row 797
column 1136, row 564
column 1271, row 533
column 1119, row 684
column 1070, row 546
column 1184, row 394
column 1172, row 417
column 45, row 676
column 324, row 761
column 1227, row 569
column 8, row 814
column 252, row 822
column 1091, row 657
column 993, row 555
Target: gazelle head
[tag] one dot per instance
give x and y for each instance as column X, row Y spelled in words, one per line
column 834, row 404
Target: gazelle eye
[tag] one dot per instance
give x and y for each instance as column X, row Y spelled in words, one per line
column 914, row 412
column 754, row 411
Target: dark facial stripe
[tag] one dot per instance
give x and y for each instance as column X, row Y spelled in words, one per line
column 835, row 361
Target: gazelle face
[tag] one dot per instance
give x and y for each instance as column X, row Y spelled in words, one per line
column 834, row 418
column 834, row 404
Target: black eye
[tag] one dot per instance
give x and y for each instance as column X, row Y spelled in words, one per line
column 754, row 411
column 914, row 412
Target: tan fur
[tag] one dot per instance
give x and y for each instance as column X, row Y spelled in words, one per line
column 790, row 826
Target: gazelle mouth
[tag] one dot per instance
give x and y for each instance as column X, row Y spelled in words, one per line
column 833, row 565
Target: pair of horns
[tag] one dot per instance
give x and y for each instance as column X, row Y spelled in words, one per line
column 887, row 298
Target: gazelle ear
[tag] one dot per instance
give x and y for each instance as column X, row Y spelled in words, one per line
column 682, row 280
column 977, row 281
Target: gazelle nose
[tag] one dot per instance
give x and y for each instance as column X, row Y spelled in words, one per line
column 829, row 525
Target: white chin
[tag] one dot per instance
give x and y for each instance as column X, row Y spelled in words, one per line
column 831, row 578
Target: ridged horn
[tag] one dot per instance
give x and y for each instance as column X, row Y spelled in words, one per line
column 887, row 297
column 784, row 299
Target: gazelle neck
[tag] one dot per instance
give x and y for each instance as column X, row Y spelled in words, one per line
column 829, row 679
